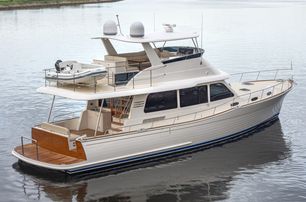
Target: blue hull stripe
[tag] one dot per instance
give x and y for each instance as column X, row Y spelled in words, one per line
column 154, row 155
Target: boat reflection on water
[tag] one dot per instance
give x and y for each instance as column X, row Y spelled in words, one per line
column 203, row 175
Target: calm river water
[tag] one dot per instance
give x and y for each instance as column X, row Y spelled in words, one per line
column 237, row 36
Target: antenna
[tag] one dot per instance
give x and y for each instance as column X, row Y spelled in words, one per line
column 291, row 65
column 154, row 20
column 201, row 37
column 117, row 16
column 202, row 30
column 169, row 27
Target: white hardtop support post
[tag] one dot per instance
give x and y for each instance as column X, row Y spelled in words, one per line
column 153, row 57
column 98, row 120
column 109, row 47
column 50, row 111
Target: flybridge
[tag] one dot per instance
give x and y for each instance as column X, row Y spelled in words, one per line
column 152, row 70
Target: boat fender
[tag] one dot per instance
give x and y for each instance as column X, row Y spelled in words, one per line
column 57, row 66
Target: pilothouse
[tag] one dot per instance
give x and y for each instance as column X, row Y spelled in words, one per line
column 147, row 104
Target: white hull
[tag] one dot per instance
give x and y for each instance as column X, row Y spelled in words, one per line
column 116, row 150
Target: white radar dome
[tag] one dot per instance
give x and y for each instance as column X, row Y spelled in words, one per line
column 137, row 29
column 110, row 28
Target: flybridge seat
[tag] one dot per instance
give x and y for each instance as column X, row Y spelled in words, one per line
column 120, row 71
column 122, row 67
column 126, row 61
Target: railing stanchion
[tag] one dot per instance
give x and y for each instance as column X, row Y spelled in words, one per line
column 262, row 93
column 151, row 77
column 108, row 77
column 275, row 74
column 289, row 83
column 241, row 77
column 98, row 119
column 133, row 82
column 33, row 142
column 257, row 76
column 56, row 79
column 114, row 81
column 73, row 82
column 45, row 77
column 95, row 84
column 22, row 149
column 37, row 151
column 50, row 111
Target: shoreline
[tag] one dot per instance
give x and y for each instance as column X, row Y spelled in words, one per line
column 37, row 5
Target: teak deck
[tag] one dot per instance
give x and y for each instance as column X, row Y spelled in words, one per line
column 45, row 155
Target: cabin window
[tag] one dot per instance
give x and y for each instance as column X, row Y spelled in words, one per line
column 193, row 96
column 219, row 91
column 161, row 101
column 124, row 78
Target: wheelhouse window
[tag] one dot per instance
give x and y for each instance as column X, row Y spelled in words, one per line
column 219, row 91
column 161, row 101
column 193, row 96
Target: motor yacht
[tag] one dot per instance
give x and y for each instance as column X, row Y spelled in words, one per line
column 156, row 102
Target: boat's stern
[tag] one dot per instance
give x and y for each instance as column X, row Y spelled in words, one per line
column 49, row 148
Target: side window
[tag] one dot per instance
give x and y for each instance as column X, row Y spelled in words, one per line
column 193, row 96
column 161, row 101
column 219, row 91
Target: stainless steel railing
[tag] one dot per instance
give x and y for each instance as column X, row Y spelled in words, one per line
column 259, row 73
column 33, row 141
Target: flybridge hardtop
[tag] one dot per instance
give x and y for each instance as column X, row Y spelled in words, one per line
column 152, row 37
column 147, row 104
column 137, row 33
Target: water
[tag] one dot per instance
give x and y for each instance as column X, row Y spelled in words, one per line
column 237, row 36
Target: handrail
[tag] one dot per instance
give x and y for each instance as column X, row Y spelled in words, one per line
column 214, row 109
column 152, row 76
column 91, row 84
column 265, row 70
column 33, row 141
column 127, row 106
column 259, row 72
